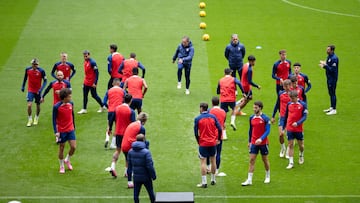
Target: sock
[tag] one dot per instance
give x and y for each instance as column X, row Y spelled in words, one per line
column 30, row 117
column 208, row 167
column 36, row 117
column 217, row 171
column 67, row 158
column 107, row 137
column 301, row 154
column 232, row 119
column 267, row 173
column 113, row 141
column 203, row 179
column 213, row 177
column 224, row 134
column 113, row 165
column 283, row 146
column 250, row 175
column 291, row 160
column 61, row 162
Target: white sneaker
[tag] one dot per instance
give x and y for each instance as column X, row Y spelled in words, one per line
column 29, row 123
column 82, row 111
column 290, row 166
column 332, row 112
column 328, row 110
column 102, row 109
column 179, row 85
column 267, row 180
column 187, row 91
column 282, row 152
column 233, row 126
column 301, row 160
column 112, row 146
column 247, row 182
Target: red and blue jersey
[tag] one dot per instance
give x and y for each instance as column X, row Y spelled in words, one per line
column 282, row 100
column 246, row 78
column 130, row 134
column 114, row 61
column 281, row 70
column 207, row 129
column 91, row 72
column 63, row 117
column 115, row 96
column 220, row 115
column 126, row 68
column 303, row 80
column 301, row 92
column 124, row 115
column 56, row 85
column 34, row 76
column 135, row 86
column 227, row 88
column 67, row 68
column 259, row 128
column 295, row 112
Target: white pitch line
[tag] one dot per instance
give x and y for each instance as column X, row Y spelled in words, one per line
column 319, row 10
column 196, row 196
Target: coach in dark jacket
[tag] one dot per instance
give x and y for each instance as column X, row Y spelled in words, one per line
column 141, row 163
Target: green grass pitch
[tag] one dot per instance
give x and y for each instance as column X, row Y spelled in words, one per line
column 153, row 29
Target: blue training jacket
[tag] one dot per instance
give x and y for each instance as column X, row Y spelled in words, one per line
column 141, row 163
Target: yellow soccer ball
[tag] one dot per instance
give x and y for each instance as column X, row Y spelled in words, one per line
column 202, row 13
column 202, row 5
column 202, row 25
column 206, row 37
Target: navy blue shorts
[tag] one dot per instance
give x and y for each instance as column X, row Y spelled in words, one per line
column 111, row 119
column 207, row 151
column 281, row 121
column 31, row 96
column 295, row 135
column 254, row 149
column 136, row 104
column 226, row 105
column 118, row 140
column 66, row 136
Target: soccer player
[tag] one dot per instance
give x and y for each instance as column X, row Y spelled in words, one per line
column 220, row 115
column 141, row 163
column 295, row 115
column 280, row 105
column 90, row 82
column 207, row 130
column 302, row 79
column 124, row 115
column 64, row 127
column 184, row 54
column 226, row 88
column 114, row 61
column 133, row 129
column 300, row 90
column 56, row 85
column 63, row 65
column 331, row 66
column 137, row 87
column 127, row 66
column 247, row 82
column 258, row 141
column 35, row 75
column 235, row 53
column 115, row 96
column 281, row 70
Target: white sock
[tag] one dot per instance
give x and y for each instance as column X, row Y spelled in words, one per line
column 250, row 175
column 67, row 158
column 283, row 146
column 267, row 173
column 36, row 117
column 113, row 141
column 291, row 160
column 30, row 117
column 301, row 153
column 232, row 119
column 61, row 162
column 213, row 177
column 217, row 171
column 224, row 134
column 113, row 165
column 107, row 137
column 203, row 179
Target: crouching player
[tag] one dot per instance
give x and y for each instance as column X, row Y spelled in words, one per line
column 64, row 127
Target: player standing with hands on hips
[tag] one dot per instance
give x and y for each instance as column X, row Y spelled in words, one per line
column 184, row 53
